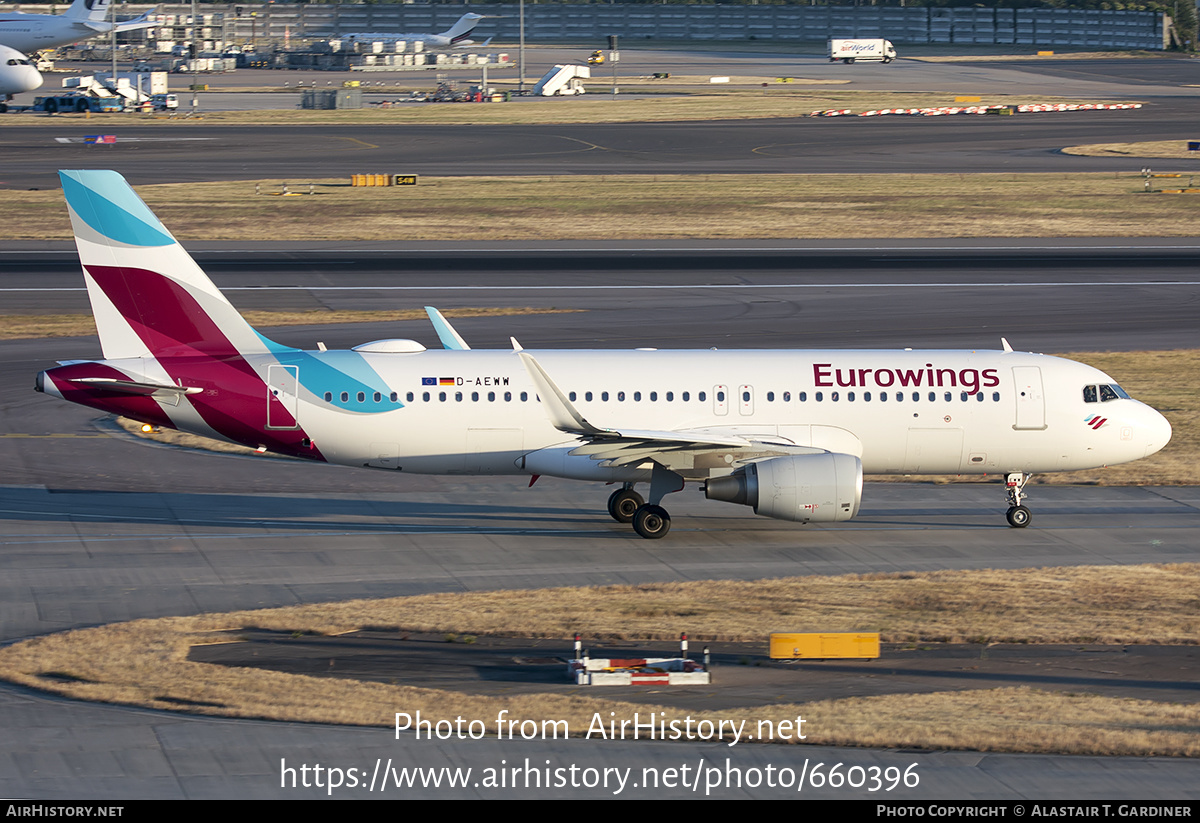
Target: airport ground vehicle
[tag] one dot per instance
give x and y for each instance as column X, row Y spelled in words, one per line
column 76, row 103
column 788, row 433
column 866, row 50
column 563, row 80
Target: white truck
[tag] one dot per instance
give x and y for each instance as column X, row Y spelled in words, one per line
column 871, row 50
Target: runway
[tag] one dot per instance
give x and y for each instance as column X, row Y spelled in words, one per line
column 1090, row 295
column 98, row 528
column 846, row 145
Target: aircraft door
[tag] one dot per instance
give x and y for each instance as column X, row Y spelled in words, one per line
column 721, row 399
column 1030, row 402
column 746, row 400
column 283, row 390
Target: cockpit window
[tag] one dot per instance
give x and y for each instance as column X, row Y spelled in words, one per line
column 1104, row 393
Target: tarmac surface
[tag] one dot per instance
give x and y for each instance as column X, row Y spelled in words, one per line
column 743, row 675
column 98, row 528
column 192, row 151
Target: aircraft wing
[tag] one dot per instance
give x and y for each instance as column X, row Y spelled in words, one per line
column 142, row 22
column 625, row 446
column 450, row 338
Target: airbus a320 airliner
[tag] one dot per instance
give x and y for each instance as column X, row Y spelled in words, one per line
column 788, row 433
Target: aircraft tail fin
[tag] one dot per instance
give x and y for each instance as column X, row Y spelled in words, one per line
column 93, row 11
column 149, row 297
column 461, row 29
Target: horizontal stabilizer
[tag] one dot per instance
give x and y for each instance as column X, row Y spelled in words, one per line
column 132, row 387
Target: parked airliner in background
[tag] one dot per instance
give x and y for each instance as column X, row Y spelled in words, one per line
column 85, row 19
column 789, row 433
column 26, row 34
column 17, row 74
column 455, row 36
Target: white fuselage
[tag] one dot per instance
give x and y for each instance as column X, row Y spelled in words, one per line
column 31, row 33
column 901, row 412
column 17, row 73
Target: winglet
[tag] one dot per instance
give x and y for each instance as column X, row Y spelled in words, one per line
column 450, row 338
column 563, row 414
column 517, row 347
column 1004, row 342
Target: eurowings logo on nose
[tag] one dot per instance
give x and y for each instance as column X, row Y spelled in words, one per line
column 1096, row 421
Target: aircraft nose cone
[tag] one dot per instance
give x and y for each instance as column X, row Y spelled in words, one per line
column 33, row 80
column 1157, row 430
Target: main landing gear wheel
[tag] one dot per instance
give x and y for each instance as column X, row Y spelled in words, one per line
column 1019, row 517
column 623, row 505
column 651, row 522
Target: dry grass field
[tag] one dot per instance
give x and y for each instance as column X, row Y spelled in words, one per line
column 676, row 100
column 27, row 326
column 1160, row 149
column 622, row 207
column 145, row 662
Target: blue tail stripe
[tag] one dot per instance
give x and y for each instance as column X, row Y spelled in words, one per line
column 104, row 201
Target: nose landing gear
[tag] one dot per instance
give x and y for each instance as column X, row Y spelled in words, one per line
column 1018, row 516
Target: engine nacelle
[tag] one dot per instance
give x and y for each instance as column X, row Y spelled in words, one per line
column 808, row 488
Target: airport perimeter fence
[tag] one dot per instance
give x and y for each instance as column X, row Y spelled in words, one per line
column 582, row 24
